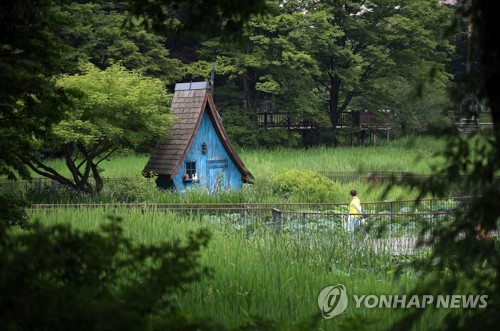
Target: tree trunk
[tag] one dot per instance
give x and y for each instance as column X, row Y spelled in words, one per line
column 248, row 85
column 249, row 100
column 99, row 183
column 334, row 105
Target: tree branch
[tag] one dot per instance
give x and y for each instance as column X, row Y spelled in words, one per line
column 322, row 83
column 107, row 155
column 49, row 172
column 347, row 100
column 68, row 153
column 365, row 74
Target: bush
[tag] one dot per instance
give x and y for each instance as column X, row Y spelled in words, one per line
column 278, row 138
column 303, row 184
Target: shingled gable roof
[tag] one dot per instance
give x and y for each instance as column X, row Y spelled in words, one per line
column 188, row 107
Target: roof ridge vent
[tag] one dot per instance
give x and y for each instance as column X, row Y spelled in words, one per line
column 192, row 86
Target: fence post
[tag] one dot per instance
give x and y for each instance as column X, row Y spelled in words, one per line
column 390, row 217
column 277, row 219
column 38, row 184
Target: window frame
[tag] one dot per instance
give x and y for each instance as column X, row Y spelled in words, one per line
column 190, row 167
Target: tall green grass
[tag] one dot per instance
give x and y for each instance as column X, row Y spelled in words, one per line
column 260, row 274
column 413, row 155
column 417, row 155
column 256, row 273
column 409, row 154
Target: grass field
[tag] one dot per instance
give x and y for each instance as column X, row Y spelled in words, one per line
column 410, row 155
column 257, row 274
column 277, row 278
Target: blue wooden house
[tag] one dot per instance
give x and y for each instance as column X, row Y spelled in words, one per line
column 197, row 152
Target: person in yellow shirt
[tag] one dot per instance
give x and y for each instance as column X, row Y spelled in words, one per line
column 354, row 212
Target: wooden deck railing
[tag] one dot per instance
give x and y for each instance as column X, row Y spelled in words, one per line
column 283, row 120
column 299, row 122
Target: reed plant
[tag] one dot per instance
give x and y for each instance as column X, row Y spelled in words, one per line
column 261, row 275
column 417, row 155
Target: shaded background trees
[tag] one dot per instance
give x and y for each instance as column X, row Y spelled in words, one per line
column 320, row 59
column 30, row 55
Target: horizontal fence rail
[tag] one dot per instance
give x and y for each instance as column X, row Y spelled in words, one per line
column 434, row 204
column 297, row 121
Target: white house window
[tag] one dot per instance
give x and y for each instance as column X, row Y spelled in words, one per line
column 190, row 170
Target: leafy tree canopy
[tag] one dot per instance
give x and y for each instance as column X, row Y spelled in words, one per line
column 271, row 71
column 111, row 109
column 97, row 34
column 322, row 57
column 205, row 17
column 356, row 43
column 30, row 55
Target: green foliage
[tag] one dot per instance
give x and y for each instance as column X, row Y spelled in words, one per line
column 415, row 111
column 465, row 265
column 29, row 100
column 241, row 128
column 420, row 155
column 98, row 280
column 362, row 46
column 318, row 58
column 55, row 276
column 212, row 17
column 96, row 34
column 133, row 190
column 308, row 184
column 111, row 110
column 117, row 106
column 257, row 277
column 319, row 137
column 270, row 69
column 12, row 213
column 278, row 138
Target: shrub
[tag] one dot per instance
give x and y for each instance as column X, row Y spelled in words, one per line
column 303, row 185
column 278, row 138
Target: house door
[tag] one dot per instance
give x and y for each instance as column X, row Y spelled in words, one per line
column 217, row 175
